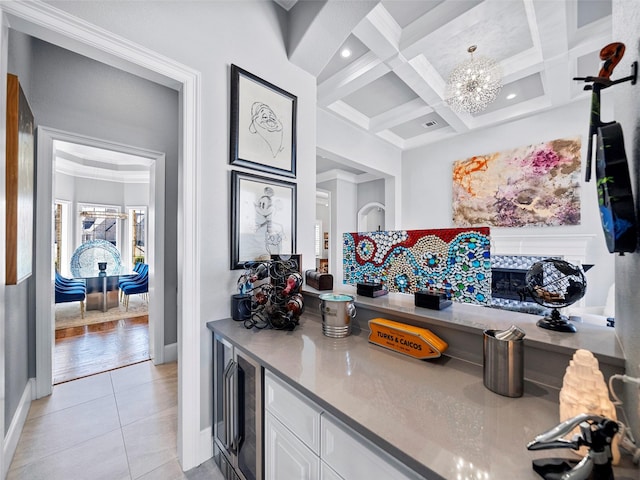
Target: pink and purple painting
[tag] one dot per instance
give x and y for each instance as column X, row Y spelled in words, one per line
column 536, row 185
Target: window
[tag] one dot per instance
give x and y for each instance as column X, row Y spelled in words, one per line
column 318, row 237
column 100, row 222
column 138, row 234
column 62, row 239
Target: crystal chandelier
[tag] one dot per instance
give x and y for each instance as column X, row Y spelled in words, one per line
column 473, row 84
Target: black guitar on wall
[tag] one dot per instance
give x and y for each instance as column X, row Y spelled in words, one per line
column 615, row 196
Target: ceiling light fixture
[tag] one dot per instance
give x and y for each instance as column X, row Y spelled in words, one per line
column 345, row 53
column 473, row 84
column 511, row 96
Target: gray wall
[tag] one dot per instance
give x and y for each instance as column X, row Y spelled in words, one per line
column 79, row 95
column 19, row 318
column 626, row 29
column 72, row 93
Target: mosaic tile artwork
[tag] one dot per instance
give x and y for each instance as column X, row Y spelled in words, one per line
column 456, row 260
column 536, row 185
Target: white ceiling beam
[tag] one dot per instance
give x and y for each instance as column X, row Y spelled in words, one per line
column 349, row 113
column 392, row 138
column 363, row 71
column 402, row 113
column 423, row 79
column 318, row 28
column 431, row 137
column 514, row 112
column 380, row 33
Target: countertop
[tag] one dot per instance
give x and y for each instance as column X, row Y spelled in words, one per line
column 602, row 341
column 435, row 416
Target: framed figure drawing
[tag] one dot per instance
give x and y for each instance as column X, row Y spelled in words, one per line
column 20, row 152
column 263, row 218
column 263, row 125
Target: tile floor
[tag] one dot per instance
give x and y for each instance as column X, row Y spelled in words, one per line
column 115, row 425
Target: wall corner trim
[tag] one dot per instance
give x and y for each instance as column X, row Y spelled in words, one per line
column 17, row 424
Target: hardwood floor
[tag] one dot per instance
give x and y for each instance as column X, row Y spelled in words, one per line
column 91, row 349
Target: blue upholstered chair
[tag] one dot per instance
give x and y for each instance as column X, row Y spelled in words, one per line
column 68, row 282
column 141, row 274
column 137, row 285
column 70, row 291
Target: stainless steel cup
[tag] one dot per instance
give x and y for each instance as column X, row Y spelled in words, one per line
column 503, row 364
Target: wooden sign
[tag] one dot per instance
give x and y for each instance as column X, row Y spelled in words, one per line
column 413, row 341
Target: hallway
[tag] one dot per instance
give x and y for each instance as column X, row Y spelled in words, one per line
column 117, row 425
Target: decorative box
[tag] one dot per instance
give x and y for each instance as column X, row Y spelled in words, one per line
column 319, row 281
column 433, row 299
column 370, row 289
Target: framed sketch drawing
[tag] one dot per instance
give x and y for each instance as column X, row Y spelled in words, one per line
column 20, row 152
column 263, row 218
column 263, row 125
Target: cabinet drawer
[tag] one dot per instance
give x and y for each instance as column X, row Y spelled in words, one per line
column 354, row 457
column 286, row 457
column 296, row 412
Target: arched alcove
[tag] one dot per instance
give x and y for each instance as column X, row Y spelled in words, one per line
column 371, row 217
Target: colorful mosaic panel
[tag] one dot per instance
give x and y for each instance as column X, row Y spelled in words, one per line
column 456, row 260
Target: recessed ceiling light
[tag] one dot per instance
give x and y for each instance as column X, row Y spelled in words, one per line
column 345, row 53
column 511, row 96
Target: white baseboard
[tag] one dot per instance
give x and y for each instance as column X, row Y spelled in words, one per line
column 171, row 353
column 17, row 424
column 205, row 445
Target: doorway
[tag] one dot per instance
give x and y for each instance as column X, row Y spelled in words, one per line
column 54, row 26
column 58, row 148
column 102, row 195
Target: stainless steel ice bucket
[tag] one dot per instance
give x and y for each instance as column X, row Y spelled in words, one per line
column 337, row 311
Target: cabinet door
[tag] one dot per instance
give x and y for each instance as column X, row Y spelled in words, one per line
column 354, row 457
column 286, row 457
column 297, row 412
column 328, row 473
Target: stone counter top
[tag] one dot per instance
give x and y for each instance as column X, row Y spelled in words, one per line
column 435, row 416
column 546, row 352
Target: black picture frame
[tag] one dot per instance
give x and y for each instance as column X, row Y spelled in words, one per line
column 263, row 218
column 263, row 125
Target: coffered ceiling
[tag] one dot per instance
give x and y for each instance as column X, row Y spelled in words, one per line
column 402, row 52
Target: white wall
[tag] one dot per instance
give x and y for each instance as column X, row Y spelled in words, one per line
column 427, row 184
column 626, row 25
column 208, row 37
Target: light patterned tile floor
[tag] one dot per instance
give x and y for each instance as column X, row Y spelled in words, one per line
column 118, row 425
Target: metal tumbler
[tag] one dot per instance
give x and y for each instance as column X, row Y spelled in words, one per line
column 503, row 363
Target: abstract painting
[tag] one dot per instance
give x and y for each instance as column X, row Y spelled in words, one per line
column 454, row 260
column 536, row 185
column 263, row 125
column 20, row 152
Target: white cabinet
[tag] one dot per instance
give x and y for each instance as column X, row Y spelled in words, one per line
column 303, row 442
column 286, row 457
column 353, row 457
column 295, row 411
column 328, row 473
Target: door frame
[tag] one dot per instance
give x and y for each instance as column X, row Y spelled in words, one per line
column 46, row 137
column 53, row 25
